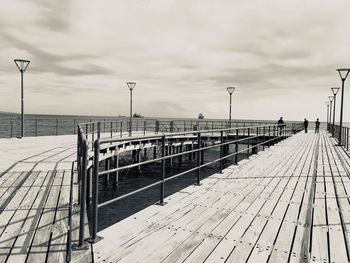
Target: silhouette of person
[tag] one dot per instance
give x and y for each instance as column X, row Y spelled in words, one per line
column 317, row 126
column 306, row 123
column 280, row 125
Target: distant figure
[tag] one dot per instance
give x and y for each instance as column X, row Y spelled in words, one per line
column 317, row 127
column 280, row 125
column 306, row 123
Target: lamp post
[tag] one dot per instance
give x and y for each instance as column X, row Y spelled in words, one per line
column 230, row 91
column 131, row 86
column 22, row 65
column 330, row 108
column 343, row 73
column 335, row 91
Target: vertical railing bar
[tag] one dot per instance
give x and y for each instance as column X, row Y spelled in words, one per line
column 221, row 151
column 161, row 202
column 83, row 194
column 199, row 158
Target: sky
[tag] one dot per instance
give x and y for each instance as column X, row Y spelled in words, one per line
column 280, row 55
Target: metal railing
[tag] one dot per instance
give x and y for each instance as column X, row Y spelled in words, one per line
column 253, row 136
column 11, row 126
column 334, row 130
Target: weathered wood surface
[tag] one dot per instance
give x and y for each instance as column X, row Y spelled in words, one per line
column 287, row 204
column 35, row 183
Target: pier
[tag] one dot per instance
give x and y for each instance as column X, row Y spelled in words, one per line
column 289, row 203
column 285, row 200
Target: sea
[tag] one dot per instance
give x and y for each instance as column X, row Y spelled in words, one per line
column 44, row 124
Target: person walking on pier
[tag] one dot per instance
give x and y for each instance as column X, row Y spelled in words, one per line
column 317, row 126
column 280, row 125
column 306, row 123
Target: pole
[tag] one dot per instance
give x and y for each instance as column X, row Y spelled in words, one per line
column 130, row 126
column 341, row 111
column 330, row 111
column 328, row 114
column 95, row 190
column 22, row 106
column 230, row 109
column 333, row 115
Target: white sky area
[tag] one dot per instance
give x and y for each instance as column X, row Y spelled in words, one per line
column 281, row 56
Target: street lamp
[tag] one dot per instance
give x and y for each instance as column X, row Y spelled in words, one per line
column 335, row 91
column 22, row 65
column 131, row 86
column 230, row 91
column 343, row 73
column 330, row 108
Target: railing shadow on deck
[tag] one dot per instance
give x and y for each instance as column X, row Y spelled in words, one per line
column 89, row 163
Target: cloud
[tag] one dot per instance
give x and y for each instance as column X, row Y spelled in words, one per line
column 181, row 54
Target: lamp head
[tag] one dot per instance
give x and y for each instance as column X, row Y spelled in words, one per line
column 330, row 98
column 22, row 64
column 343, row 73
column 131, row 85
column 230, row 89
column 335, row 90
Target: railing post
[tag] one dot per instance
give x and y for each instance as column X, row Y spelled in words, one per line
column 11, row 128
column 121, row 129
column 92, row 135
column 236, row 147
column 74, row 126
column 36, row 127
column 347, row 139
column 111, row 131
column 94, row 238
column 99, row 130
column 264, row 138
column 81, row 244
column 104, row 126
column 79, row 159
column 257, row 139
column 161, row 202
column 144, row 127
column 248, row 143
column 156, row 130
column 86, row 131
column 56, row 126
column 221, row 151
column 199, row 141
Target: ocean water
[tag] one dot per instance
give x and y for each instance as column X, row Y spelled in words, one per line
column 40, row 124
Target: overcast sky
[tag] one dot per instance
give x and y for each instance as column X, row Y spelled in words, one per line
column 280, row 55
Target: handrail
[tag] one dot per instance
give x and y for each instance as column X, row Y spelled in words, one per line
column 274, row 133
column 335, row 131
column 64, row 125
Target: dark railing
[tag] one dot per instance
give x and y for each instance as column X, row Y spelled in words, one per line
column 11, row 126
column 253, row 136
column 335, row 132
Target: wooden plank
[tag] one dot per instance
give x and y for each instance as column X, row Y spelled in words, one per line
column 41, row 241
column 22, row 245
column 22, row 200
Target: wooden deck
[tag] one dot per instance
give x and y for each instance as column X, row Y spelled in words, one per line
column 289, row 203
column 35, row 182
